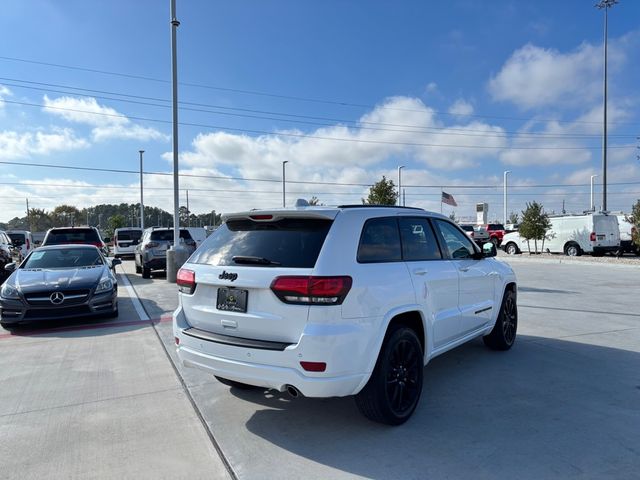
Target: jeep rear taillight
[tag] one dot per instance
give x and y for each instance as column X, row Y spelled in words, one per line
column 186, row 280
column 592, row 237
column 301, row 290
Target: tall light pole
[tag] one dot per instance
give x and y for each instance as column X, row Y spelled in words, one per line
column 141, row 193
column 605, row 5
column 284, row 201
column 174, row 84
column 400, row 167
column 592, row 205
column 506, row 172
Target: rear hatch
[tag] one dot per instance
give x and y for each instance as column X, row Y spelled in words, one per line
column 161, row 240
column 127, row 239
column 236, row 266
column 607, row 231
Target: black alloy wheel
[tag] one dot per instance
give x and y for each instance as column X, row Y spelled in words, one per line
column 395, row 386
column 503, row 335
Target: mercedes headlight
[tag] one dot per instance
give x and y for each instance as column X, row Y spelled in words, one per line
column 9, row 292
column 105, row 285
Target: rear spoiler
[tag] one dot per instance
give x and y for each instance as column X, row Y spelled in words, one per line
column 275, row 215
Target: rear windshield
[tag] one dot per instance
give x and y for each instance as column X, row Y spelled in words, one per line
column 467, row 228
column 290, row 243
column 17, row 239
column 496, row 226
column 63, row 258
column 124, row 235
column 167, row 235
column 80, row 235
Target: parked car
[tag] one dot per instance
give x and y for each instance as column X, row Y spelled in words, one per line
column 22, row 240
column 151, row 251
column 496, row 232
column 353, row 300
column 6, row 254
column 573, row 235
column 198, row 234
column 59, row 282
column 476, row 233
column 626, row 235
column 125, row 241
column 74, row 236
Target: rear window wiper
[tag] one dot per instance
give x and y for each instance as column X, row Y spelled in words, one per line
column 253, row 260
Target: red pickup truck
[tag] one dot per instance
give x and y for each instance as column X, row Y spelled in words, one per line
column 496, row 232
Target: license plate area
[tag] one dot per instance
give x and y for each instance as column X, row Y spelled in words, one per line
column 232, row 300
column 601, row 237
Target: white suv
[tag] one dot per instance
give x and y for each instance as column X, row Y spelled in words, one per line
column 352, row 300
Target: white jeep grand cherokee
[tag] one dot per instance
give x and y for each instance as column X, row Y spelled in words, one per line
column 352, row 300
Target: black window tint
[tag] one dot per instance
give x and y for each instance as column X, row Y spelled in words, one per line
column 291, row 243
column 418, row 240
column 17, row 239
column 456, row 242
column 380, row 241
column 162, row 235
column 184, row 234
column 78, row 235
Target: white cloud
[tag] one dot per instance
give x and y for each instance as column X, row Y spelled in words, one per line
column 20, row 145
column 4, row 92
column 432, row 87
column 108, row 123
column 536, row 77
column 393, row 130
column 461, row 107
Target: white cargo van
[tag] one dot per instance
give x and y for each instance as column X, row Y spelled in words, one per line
column 125, row 241
column 594, row 233
column 22, row 240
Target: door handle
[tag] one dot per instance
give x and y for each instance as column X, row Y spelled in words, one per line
column 420, row 271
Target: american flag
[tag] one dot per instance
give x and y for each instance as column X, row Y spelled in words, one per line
column 448, row 199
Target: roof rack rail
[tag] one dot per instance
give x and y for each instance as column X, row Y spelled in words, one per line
column 378, row 206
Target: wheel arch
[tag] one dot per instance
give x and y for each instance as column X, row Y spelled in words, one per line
column 410, row 316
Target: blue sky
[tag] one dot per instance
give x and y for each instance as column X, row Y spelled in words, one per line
column 456, row 91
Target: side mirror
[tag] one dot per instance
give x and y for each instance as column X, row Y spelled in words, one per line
column 489, row 250
column 116, row 261
column 107, row 239
column 11, row 267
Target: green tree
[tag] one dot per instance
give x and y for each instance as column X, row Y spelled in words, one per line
column 514, row 217
column 382, row 193
column 534, row 225
column 65, row 216
column 115, row 221
column 635, row 219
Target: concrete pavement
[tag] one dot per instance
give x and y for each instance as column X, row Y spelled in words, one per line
column 563, row 403
column 97, row 399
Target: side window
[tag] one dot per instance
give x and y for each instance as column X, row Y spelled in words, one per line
column 457, row 243
column 418, row 240
column 380, row 241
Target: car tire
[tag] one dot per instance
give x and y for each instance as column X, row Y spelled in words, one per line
column 146, row 272
column 572, row 249
column 511, row 248
column 234, row 384
column 138, row 269
column 503, row 335
column 392, row 393
column 9, row 325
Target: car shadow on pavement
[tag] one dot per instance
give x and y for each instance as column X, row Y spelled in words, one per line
column 546, row 409
column 82, row 327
